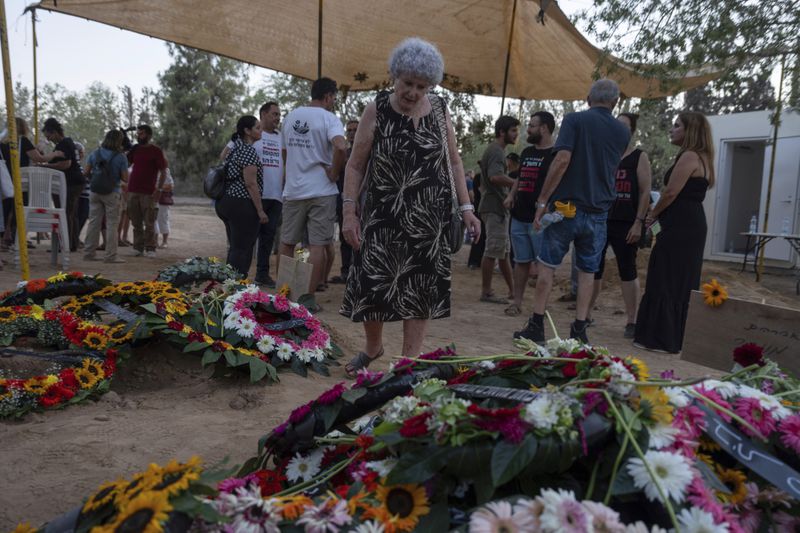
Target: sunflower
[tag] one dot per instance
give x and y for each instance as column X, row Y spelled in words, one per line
column 5, row 392
column 119, row 334
column 654, row 403
column 709, row 445
column 39, row 385
column 714, row 293
column 406, row 503
column 175, row 306
column 140, row 483
column 95, row 341
column 104, row 495
column 86, row 379
column 145, row 514
column 37, row 312
column 24, row 527
column 735, row 481
column 284, row 290
column 7, row 314
column 94, row 367
column 171, row 291
column 642, row 372
column 126, row 288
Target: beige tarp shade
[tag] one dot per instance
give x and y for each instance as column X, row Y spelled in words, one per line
column 550, row 61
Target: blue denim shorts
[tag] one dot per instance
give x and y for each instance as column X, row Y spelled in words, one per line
column 524, row 241
column 586, row 230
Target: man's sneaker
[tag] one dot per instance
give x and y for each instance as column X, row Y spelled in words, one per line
column 138, row 253
column 578, row 334
column 150, row 253
column 630, row 331
column 531, row 332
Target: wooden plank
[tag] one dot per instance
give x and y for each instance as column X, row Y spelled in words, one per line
column 712, row 333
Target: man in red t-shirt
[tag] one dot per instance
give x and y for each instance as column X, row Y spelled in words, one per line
column 144, row 189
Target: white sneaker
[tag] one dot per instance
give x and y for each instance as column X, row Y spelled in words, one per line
column 150, row 253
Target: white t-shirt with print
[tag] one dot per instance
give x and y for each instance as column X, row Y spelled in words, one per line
column 269, row 150
column 307, row 135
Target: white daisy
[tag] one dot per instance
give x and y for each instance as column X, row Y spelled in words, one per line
column 661, row 436
column 232, row 319
column 251, row 289
column 266, row 344
column 304, row 355
column 304, row 468
column 641, row 527
column 695, row 520
column 246, row 327
column 487, row 365
column 725, row 389
column 319, row 355
column 499, row 516
column 671, row 469
column 541, row 412
column 620, row 373
column 368, row 527
column 677, row 396
column 285, row 351
column 383, row 467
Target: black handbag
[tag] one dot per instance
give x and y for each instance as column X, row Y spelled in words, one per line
column 214, row 182
column 455, row 236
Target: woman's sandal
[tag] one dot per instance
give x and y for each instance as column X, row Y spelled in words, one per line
column 360, row 361
column 513, row 310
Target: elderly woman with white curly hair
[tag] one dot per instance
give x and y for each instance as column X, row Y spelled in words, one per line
column 398, row 200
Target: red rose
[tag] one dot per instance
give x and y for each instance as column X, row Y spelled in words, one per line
column 570, row 370
column 415, row 426
column 749, row 354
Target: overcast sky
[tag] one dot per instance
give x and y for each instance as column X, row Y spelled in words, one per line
column 75, row 52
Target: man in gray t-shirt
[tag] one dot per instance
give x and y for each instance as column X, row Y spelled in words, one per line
column 581, row 178
column 494, row 187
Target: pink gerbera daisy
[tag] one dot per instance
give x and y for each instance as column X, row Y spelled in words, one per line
column 790, row 432
column 499, row 516
column 753, row 413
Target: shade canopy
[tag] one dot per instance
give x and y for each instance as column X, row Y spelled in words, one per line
column 546, row 61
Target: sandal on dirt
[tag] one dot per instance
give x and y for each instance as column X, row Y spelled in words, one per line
column 361, row 360
column 512, row 310
column 492, row 299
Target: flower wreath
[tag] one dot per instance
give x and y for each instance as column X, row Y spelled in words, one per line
column 280, row 329
column 61, row 284
column 89, row 376
column 135, row 293
column 197, row 270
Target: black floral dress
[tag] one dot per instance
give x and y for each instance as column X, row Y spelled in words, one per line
column 402, row 270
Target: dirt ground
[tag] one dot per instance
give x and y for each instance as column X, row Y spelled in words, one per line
column 163, row 406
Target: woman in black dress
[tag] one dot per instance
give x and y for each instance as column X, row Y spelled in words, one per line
column 401, row 262
column 677, row 259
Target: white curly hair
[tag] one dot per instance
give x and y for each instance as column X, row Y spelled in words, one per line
column 418, row 58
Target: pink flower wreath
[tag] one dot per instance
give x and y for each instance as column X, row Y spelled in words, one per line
column 249, row 311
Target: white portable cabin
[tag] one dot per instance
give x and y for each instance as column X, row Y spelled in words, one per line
column 743, row 150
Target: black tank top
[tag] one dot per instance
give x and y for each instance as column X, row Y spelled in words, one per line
column 627, row 186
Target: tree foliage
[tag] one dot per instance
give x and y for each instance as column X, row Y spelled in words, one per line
column 202, row 96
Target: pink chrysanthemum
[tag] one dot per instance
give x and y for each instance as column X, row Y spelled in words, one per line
column 299, row 414
column 717, row 399
column 568, row 516
column 790, row 432
column 500, row 516
column 231, row 484
column 701, row 496
column 753, row 413
column 365, row 378
column 690, row 419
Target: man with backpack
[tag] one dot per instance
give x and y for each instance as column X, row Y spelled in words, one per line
column 144, row 190
column 107, row 170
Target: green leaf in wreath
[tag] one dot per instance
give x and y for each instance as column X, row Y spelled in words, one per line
column 149, row 307
column 195, row 347
column 299, row 367
column 320, row 368
column 438, row 519
column 509, row 459
column 352, row 395
column 230, row 358
column 329, row 414
column 258, row 369
column 419, row 465
column 210, row 357
column 6, row 340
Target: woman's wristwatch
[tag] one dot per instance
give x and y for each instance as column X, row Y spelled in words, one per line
column 466, row 207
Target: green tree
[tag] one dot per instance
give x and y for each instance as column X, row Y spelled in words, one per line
column 201, row 98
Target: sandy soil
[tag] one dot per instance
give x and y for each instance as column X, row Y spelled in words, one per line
column 163, row 405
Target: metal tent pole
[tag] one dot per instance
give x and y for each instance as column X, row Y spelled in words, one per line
column 13, row 148
column 777, row 124
column 319, row 41
column 35, row 82
column 508, row 56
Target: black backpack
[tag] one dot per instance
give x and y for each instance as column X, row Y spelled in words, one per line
column 103, row 180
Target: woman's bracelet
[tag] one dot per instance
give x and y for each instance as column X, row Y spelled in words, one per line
column 466, row 207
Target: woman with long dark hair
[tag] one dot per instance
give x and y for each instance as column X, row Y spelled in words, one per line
column 240, row 207
column 677, row 259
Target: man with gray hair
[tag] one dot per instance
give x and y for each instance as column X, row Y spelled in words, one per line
column 579, row 186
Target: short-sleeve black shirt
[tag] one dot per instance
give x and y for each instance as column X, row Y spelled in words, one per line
column 533, row 166
column 73, row 174
column 25, row 146
column 242, row 155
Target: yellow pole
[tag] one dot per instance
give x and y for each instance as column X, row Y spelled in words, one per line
column 12, row 145
column 35, row 83
column 777, row 123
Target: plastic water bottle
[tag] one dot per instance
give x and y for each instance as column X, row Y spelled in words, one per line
column 753, row 224
column 785, row 230
column 550, row 218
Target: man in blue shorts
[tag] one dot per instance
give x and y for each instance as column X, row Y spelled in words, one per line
column 580, row 182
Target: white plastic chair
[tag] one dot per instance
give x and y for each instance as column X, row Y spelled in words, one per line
column 40, row 213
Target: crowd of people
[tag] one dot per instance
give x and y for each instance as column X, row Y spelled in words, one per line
column 390, row 182
column 118, row 186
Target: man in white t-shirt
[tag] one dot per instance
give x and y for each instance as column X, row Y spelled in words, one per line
column 269, row 149
column 315, row 152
